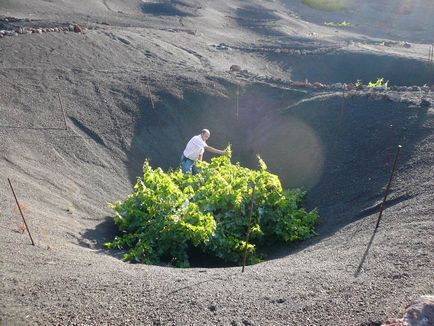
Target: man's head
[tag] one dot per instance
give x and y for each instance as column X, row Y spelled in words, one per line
column 205, row 134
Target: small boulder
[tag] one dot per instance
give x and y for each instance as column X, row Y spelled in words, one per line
column 235, row 68
column 77, row 28
column 394, row 322
column 298, row 83
column 421, row 312
column 318, row 85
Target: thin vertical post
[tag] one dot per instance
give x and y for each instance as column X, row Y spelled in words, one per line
column 388, row 187
column 248, row 226
column 19, row 208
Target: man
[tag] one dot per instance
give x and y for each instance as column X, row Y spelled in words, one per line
column 193, row 152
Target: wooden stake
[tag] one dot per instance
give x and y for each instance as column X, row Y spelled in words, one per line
column 388, row 187
column 19, row 208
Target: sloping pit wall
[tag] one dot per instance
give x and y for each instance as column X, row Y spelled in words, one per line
column 347, row 67
column 341, row 151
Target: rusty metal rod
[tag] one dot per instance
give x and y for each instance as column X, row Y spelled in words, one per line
column 388, row 188
column 19, row 208
column 63, row 111
column 248, row 227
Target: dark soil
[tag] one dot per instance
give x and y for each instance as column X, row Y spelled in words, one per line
column 143, row 78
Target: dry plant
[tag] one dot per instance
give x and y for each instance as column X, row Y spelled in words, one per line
column 47, row 240
column 21, row 228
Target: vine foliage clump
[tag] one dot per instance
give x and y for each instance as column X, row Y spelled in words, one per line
column 168, row 213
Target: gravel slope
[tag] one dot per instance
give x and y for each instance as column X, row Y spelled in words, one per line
column 138, row 83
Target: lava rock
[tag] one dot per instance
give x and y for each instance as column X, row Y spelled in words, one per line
column 235, row 68
column 421, row 312
column 77, row 28
column 394, row 322
column 379, row 88
column 394, row 97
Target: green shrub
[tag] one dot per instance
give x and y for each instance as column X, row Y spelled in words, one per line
column 169, row 212
column 378, row 83
column 327, row 5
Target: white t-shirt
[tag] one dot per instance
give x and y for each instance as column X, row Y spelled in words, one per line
column 194, row 148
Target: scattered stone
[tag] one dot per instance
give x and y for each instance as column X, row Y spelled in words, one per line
column 416, row 88
column 71, row 28
column 406, row 45
column 212, row 308
column 77, row 28
column 298, row 83
column 235, row 68
column 318, row 85
column 394, row 322
column 379, row 88
column 394, row 97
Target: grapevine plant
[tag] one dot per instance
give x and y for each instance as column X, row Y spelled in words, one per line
column 170, row 212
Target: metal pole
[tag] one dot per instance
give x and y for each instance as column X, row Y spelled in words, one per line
column 19, row 208
column 388, row 187
column 248, row 227
column 63, row 111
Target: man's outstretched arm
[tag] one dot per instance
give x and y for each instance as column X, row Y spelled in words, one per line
column 214, row 150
